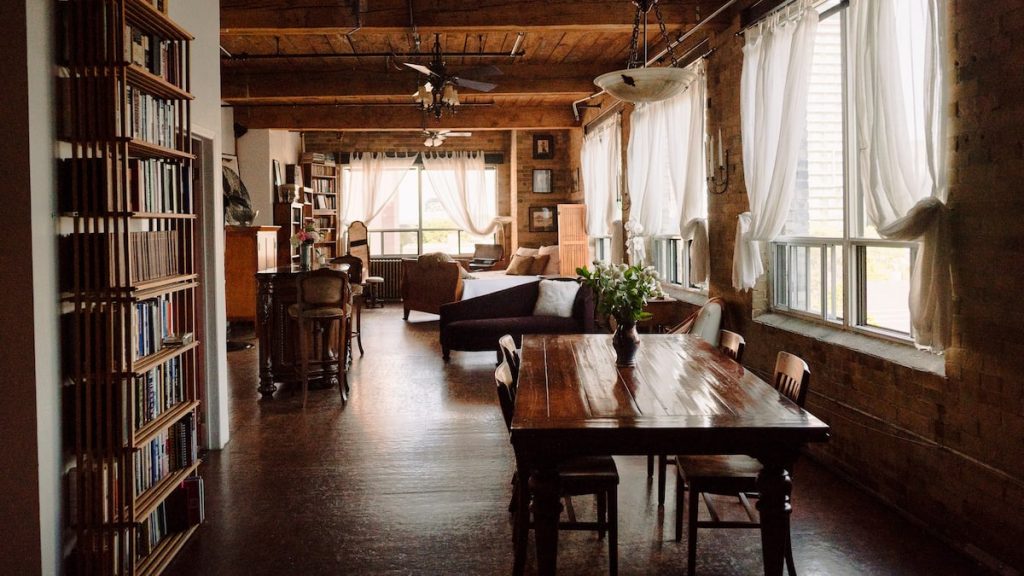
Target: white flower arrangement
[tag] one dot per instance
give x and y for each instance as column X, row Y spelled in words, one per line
column 622, row 290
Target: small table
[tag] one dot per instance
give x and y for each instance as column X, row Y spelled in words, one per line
column 665, row 313
column 682, row 397
column 276, row 291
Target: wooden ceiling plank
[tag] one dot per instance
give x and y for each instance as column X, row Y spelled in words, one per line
column 395, row 118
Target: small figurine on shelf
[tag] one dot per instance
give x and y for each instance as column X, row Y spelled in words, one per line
column 304, row 240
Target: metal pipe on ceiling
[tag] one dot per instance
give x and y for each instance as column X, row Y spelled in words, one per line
column 243, row 57
column 660, row 55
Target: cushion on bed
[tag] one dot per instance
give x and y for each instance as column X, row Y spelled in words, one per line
column 554, row 266
column 519, row 266
column 522, row 251
column 540, row 263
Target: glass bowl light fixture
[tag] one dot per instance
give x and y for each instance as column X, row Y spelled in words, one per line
column 637, row 82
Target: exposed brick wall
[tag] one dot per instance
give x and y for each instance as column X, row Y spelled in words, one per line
column 565, row 185
column 947, row 450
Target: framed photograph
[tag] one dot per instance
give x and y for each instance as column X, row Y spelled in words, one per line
column 278, row 180
column 542, row 181
column 543, row 147
column 543, row 218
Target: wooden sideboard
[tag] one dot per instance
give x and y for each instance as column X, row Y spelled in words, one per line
column 247, row 250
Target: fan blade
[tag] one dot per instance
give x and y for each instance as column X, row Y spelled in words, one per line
column 485, row 71
column 474, row 85
column 420, row 68
column 458, row 134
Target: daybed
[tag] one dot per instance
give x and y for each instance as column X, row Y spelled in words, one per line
column 477, row 323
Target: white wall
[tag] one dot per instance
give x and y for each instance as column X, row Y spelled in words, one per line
column 202, row 19
column 227, row 129
column 257, row 150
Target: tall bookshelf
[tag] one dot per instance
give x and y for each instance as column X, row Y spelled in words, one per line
column 129, row 285
column 320, row 179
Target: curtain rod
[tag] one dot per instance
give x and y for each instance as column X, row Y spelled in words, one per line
column 677, row 42
column 789, row 4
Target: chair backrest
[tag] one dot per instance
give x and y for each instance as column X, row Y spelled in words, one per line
column 709, row 320
column 503, row 382
column 732, row 344
column 507, row 346
column 323, row 288
column 792, row 377
column 355, row 267
column 357, row 244
column 488, row 252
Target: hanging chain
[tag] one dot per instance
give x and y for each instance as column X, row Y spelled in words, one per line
column 664, row 34
column 632, row 61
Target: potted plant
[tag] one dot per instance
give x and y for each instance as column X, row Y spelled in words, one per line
column 304, row 239
column 622, row 292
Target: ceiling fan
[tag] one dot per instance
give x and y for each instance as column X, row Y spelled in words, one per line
column 437, row 137
column 440, row 90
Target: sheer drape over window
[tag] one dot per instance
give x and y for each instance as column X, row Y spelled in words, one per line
column 666, row 166
column 773, row 108
column 458, row 180
column 373, row 180
column 601, row 159
column 901, row 169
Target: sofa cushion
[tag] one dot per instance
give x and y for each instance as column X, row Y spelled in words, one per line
column 555, row 298
column 554, row 266
column 519, row 266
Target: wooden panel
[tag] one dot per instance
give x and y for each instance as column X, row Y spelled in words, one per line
column 247, row 250
column 573, row 244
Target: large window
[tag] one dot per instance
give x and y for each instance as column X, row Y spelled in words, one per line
column 415, row 222
column 830, row 263
column 671, row 258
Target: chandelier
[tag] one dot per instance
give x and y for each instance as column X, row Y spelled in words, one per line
column 437, row 99
column 439, row 91
column 637, row 82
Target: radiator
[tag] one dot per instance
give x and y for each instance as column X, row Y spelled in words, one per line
column 390, row 269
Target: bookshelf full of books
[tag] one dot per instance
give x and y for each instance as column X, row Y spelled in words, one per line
column 130, row 328
column 320, row 174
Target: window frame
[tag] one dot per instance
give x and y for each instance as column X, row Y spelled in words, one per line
column 854, row 242
column 680, row 254
column 419, row 230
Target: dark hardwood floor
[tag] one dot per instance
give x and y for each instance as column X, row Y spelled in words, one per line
column 412, row 477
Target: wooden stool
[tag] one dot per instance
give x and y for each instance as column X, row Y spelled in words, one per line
column 372, row 285
column 322, row 300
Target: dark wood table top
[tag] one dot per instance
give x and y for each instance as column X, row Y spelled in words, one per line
column 683, row 395
column 293, row 269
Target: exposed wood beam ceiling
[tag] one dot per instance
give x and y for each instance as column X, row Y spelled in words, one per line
column 336, row 64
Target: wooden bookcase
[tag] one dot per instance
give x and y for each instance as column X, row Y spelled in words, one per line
column 321, row 182
column 130, row 356
column 289, row 217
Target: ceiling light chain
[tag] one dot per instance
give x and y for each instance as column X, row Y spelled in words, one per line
column 664, row 34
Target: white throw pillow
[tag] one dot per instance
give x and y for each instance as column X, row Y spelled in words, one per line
column 554, row 266
column 526, row 251
column 556, row 298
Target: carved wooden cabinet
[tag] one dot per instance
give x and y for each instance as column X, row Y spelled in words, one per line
column 247, row 250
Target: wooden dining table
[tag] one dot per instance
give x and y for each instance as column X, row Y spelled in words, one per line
column 683, row 396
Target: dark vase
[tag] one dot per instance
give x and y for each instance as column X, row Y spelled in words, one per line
column 626, row 342
column 305, row 256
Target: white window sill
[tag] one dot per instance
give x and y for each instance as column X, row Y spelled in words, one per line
column 902, row 354
column 684, row 294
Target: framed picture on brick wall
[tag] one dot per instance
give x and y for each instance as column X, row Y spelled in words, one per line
column 544, row 218
column 543, row 147
column 542, row 181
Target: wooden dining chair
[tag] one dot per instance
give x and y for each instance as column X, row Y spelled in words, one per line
column 595, row 475
column 733, row 475
column 355, row 282
column 358, row 246
column 507, row 351
column 320, row 311
column 732, row 344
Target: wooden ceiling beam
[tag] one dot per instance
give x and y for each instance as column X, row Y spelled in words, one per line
column 239, row 85
column 401, row 118
column 295, row 17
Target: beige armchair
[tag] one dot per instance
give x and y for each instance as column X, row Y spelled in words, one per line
column 429, row 282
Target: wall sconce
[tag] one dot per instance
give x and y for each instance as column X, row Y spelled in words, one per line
column 718, row 179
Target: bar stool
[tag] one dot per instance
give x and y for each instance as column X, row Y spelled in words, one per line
column 358, row 247
column 322, row 300
column 355, row 276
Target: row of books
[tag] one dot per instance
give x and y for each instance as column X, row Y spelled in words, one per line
column 171, row 450
column 184, row 508
column 154, row 254
column 151, row 119
column 321, row 186
column 317, row 158
column 160, row 186
column 157, row 391
column 154, row 321
column 159, row 57
column 324, row 202
column 323, row 170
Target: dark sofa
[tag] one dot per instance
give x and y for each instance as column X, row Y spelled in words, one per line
column 477, row 323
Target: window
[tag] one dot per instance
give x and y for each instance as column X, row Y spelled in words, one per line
column 415, row 222
column 671, row 258
column 830, row 264
column 601, row 248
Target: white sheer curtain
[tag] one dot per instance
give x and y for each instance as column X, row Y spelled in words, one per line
column 665, row 168
column 373, row 180
column 901, row 169
column 601, row 159
column 459, row 181
column 777, row 57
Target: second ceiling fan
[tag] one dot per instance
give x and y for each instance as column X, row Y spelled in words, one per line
column 440, row 89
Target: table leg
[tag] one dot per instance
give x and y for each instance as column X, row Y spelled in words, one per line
column 547, row 507
column 520, row 524
column 775, row 486
column 264, row 332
